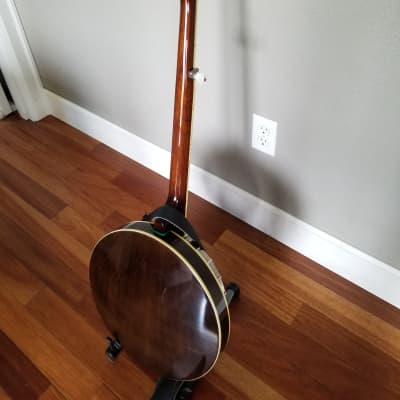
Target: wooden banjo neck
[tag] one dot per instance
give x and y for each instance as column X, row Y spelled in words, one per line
column 183, row 109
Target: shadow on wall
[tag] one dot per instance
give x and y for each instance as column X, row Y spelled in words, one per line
column 236, row 163
column 255, row 178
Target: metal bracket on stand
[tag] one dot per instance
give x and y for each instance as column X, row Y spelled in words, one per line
column 113, row 349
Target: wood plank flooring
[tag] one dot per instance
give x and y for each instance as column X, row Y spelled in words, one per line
column 298, row 330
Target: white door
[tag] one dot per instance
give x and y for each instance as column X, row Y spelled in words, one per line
column 5, row 107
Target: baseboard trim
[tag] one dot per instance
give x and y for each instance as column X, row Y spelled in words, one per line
column 361, row 269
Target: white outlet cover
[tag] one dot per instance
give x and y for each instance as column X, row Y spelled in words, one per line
column 264, row 134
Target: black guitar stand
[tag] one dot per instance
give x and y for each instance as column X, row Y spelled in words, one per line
column 167, row 389
column 113, row 349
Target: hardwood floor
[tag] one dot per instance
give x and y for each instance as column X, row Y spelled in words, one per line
column 299, row 331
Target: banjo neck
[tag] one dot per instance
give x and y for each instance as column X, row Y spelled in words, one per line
column 182, row 125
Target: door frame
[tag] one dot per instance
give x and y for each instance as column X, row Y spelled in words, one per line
column 5, row 107
column 18, row 65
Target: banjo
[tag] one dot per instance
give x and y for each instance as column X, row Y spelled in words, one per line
column 155, row 287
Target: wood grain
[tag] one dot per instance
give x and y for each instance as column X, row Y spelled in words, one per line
column 16, row 278
column 104, row 393
column 293, row 364
column 314, row 271
column 299, row 331
column 56, row 184
column 206, row 390
column 144, row 185
column 69, row 133
column 87, row 310
column 45, row 265
column 74, row 224
column 3, row 394
column 114, row 221
column 39, row 198
column 255, row 283
column 19, row 377
column 249, row 385
column 86, row 344
column 48, row 354
column 18, row 139
column 69, row 151
column 366, row 360
column 25, row 216
column 107, row 194
column 183, row 108
column 52, row 394
column 350, row 316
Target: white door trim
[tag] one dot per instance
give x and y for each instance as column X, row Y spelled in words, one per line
column 18, row 66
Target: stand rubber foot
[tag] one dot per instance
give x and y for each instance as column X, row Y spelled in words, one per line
column 232, row 291
column 113, row 349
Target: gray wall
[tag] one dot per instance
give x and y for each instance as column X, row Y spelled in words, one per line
column 327, row 71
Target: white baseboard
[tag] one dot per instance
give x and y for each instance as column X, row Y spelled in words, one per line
column 363, row 270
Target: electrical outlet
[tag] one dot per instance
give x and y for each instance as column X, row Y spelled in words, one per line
column 264, row 134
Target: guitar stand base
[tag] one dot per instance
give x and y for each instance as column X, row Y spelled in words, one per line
column 113, row 349
column 167, row 389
